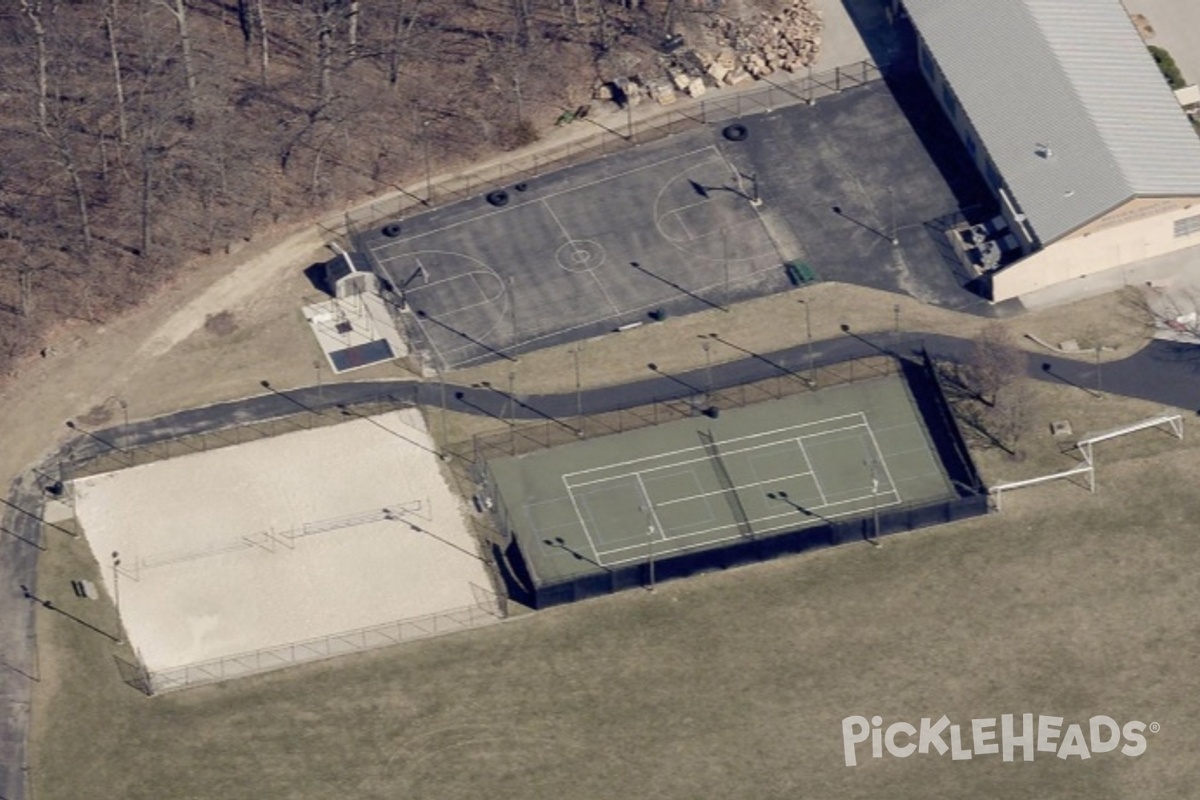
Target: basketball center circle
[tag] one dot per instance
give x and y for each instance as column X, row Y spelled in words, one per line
column 579, row 255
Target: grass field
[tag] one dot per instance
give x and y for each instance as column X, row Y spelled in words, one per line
column 729, row 685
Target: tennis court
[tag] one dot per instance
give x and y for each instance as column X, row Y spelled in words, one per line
column 752, row 485
column 824, row 460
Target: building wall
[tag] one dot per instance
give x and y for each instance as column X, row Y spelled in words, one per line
column 1142, row 228
column 944, row 94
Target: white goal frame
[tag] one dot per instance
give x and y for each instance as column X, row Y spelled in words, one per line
column 1175, row 421
column 1085, row 446
column 1088, row 468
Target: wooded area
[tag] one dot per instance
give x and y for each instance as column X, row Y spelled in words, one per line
column 140, row 134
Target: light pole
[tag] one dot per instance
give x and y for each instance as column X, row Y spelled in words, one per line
column 707, row 345
column 896, row 311
column 808, row 338
column 512, row 402
column 320, row 388
column 650, row 539
column 578, row 390
column 445, row 437
column 892, row 201
column 425, row 147
column 116, row 562
column 874, row 540
column 648, row 510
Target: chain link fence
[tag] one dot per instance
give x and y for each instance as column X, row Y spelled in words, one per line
column 487, row 609
column 521, row 437
column 612, row 134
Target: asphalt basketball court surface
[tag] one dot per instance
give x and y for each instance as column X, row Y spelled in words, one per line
column 586, row 250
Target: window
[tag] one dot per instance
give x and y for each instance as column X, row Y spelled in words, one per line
column 1187, row 226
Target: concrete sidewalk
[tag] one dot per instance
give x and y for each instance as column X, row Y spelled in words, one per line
column 1175, row 23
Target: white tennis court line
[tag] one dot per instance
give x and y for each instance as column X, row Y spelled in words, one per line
column 882, row 460
column 650, row 507
column 737, row 535
column 704, row 459
column 787, row 428
column 820, row 513
column 587, row 534
column 579, row 187
column 689, row 498
column 808, row 462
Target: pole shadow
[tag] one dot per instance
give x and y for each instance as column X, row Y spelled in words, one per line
column 422, row 314
column 678, row 288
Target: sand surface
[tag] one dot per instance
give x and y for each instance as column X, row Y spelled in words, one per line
column 281, row 540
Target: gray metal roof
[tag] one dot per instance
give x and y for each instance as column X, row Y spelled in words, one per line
column 1072, row 76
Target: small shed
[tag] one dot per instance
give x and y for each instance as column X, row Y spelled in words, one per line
column 349, row 275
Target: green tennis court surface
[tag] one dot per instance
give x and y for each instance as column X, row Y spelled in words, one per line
column 808, row 461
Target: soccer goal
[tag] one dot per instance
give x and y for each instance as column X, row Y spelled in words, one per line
column 1088, row 469
column 1170, row 422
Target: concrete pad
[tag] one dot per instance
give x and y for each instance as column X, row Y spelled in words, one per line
column 1175, row 24
column 841, row 43
column 853, row 171
column 857, row 30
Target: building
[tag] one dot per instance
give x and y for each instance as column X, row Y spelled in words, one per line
column 1093, row 163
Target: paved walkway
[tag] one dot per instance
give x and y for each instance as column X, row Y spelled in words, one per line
column 1175, row 23
column 1163, row 372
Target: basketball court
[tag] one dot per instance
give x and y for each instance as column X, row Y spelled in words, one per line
column 808, row 461
column 671, row 226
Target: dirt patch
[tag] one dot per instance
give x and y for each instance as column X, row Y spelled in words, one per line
column 222, row 323
column 1144, row 28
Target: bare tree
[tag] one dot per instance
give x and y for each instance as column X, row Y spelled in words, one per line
column 178, row 9
column 352, row 19
column 260, row 18
column 33, row 10
column 110, row 17
column 1012, row 414
column 995, row 362
column 404, row 17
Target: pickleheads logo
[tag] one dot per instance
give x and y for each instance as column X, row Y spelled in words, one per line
column 1030, row 734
